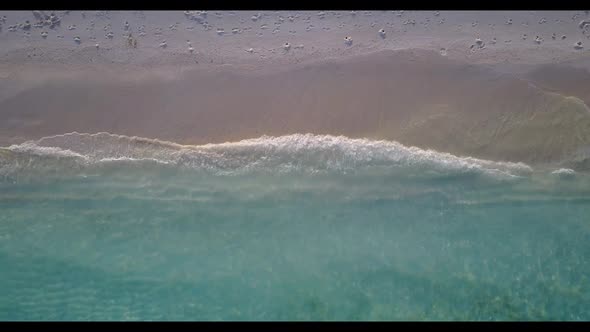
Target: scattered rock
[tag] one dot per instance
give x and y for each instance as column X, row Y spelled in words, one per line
column 38, row 15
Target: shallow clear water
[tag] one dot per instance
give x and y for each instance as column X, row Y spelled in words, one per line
column 137, row 242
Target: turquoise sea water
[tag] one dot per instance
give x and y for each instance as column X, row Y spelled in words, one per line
column 302, row 227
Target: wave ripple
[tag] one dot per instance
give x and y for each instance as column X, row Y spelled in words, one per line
column 291, row 153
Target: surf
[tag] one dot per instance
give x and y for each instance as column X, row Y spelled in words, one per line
column 309, row 153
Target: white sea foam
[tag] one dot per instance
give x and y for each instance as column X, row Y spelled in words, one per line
column 297, row 152
column 564, row 172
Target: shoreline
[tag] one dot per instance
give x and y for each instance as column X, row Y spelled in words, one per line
column 563, row 168
column 417, row 97
column 497, row 85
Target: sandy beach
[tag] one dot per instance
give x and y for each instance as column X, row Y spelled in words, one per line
column 501, row 86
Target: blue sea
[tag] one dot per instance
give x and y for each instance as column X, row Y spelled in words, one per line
column 300, row 227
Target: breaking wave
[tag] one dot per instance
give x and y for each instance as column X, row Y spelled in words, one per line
column 291, row 153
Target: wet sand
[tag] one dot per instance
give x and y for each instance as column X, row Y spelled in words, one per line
column 414, row 96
